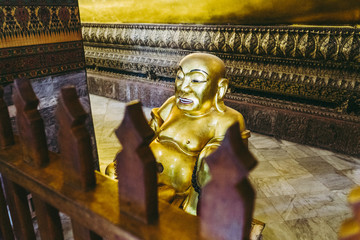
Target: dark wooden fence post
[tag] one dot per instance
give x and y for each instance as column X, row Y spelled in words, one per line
column 6, row 231
column 6, row 139
column 6, row 134
column 16, row 197
column 30, row 124
column 33, row 140
column 74, row 141
column 227, row 201
column 48, row 220
column 75, row 150
column 136, row 166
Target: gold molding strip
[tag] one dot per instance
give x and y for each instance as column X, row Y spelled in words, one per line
column 40, row 38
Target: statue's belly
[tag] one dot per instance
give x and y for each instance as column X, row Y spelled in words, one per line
column 177, row 165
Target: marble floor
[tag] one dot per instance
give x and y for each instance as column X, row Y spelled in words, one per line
column 301, row 190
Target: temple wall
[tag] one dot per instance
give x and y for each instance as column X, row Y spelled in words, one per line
column 41, row 40
column 221, row 12
column 298, row 83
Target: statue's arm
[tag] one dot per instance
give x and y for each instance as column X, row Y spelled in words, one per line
column 159, row 115
column 201, row 175
column 202, row 171
column 245, row 134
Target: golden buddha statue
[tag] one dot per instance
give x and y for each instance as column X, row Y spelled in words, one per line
column 189, row 126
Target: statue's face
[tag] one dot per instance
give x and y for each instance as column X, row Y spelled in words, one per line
column 196, row 84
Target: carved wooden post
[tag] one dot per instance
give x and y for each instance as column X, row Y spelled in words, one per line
column 20, row 213
column 32, row 136
column 76, row 150
column 74, row 141
column 6, row 231
column 136, row 166
column 81, row 233
column 30, row 124
column 48, row 220
column 6, row 134
column 350, row 229
column 227, row 201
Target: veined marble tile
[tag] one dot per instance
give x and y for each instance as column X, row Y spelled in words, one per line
column 353, row 174
column 110, row 145
column 293, row 206
column 259, row 141
column 274, row 186
column 316, row 165
column 98, row 119
column 257, row 154
column 320, row 151
column 340, row 163
column 12, row 111
column 276, row 154
column 306, row 184
column 286, row 143
column 335, row 221
column 289, row 167
column 278, row 231
column 66, row 226
column 312, row 228
column 343, row 194
column 258, row 192
column 356, row 159
column 298, row 151
column 114, row 116
column 98, row 105
column 327, row 203
column 98, row 110
column 112, row 124
column 116, row 104
column 263, row 170
column 147, row 112
column 265, row 211
column 335, row 181
column 348, row 158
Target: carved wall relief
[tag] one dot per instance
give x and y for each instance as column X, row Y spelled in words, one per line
column 295, row 69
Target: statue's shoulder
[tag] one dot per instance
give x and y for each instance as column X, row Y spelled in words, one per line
column 233, row 115
column 229, row 117
column 166, row 108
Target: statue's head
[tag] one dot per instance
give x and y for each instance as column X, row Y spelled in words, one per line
column 200, row 84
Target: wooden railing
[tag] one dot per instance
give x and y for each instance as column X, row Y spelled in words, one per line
column 100, row 207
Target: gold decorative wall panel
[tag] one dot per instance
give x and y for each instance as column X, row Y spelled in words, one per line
column 29, row 25
column 221, row 12
column 39, row 38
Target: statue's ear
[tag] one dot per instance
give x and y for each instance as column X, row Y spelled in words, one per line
column 222, row 88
